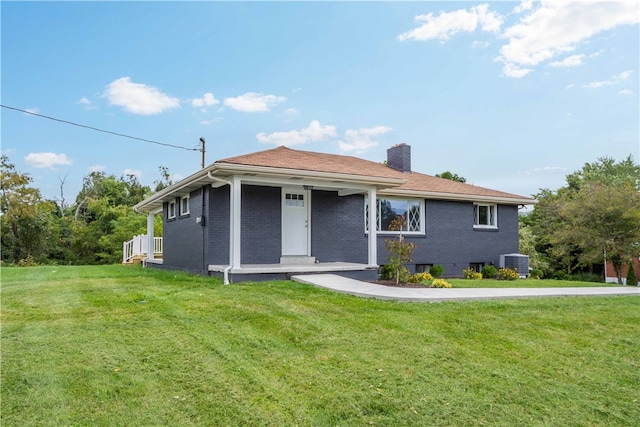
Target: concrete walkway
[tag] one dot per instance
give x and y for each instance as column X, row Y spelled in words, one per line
column 370, row 290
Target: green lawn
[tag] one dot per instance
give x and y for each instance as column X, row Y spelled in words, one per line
column 523, row 283
column 117, row 346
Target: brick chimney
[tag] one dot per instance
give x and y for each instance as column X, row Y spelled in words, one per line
column 399, row 157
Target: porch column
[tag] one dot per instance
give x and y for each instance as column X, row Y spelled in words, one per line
column 150, row 237
column 373, row 229
column 235, row 203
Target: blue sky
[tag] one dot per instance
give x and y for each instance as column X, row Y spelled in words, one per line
column 511, row 95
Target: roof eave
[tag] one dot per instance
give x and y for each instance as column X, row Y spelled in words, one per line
column 156, row 200
column 381, row 182
column 459, row 197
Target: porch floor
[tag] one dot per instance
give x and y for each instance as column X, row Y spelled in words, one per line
column 293, row 268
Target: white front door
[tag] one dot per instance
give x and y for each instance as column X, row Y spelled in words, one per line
column 295, row 221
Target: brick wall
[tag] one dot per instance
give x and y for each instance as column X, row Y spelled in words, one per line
column 452, row 242
column 337, row 227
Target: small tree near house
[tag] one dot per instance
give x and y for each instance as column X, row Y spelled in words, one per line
column 399, row 250
column 632, row 280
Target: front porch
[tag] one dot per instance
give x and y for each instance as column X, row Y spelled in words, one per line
column 284, row 271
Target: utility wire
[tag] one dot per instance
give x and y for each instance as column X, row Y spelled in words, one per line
column 99, row 130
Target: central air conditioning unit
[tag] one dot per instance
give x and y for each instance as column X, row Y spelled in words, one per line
column 517, row 262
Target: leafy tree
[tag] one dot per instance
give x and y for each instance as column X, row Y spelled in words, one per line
column 165, row 179
column 602, row 219
column 559, row 223
column 399, row 251
column 103, row 217
column 632, row 279
column 451, row 176
column 606, row 171
column 24, row 215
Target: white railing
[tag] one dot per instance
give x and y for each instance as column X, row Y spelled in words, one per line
column 138, row 246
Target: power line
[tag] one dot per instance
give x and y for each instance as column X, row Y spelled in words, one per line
column 99, row 130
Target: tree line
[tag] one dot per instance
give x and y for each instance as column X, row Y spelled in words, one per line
column 91, row 230
column 593, row 219
column 570, row 231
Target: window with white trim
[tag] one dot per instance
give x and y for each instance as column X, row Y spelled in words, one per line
column 389, row 209
column 171, row 210
column 485, row 215
column 184, row 205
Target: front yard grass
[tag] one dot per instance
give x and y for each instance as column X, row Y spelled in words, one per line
column 107, row 346
column 523, row 283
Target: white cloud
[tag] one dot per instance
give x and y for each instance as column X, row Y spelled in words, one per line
column 32, row 110
column 252, row 102
column 569, row 61
column 312, row 133
column 479, row 44
column 46, row 160
column 447, row 24
column 138, row 98
column 558, row 27
column 357, row 141
column 134, row 172
column 207, row 100
column 87, row 103
column 514, row 71
column 525, row 5
column 546, row 30
column 625, row 92
column 614, row 80
column 547, row 170
column 97, row 168
column 211, row 121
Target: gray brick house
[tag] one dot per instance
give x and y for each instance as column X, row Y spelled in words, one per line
column 279, row 212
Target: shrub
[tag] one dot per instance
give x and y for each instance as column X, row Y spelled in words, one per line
column 560, row 275
column 507, row 274
column 440, row 283
column 586, row 277
column 423, row 278
column 470, row 273
column 436, row 270
column 387, row 272
column 27, row 262
column 489, row 271
column 632, row 280
column 399, row 250
column 536, row 273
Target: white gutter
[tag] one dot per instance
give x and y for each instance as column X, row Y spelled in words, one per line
column 458, row 196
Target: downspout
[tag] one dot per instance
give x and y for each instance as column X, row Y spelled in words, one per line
column 230, row 184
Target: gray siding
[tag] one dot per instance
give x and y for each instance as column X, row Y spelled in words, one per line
column 218, row 226
column 183, row 244
column 337, row 232
column 261, row 225
column 337, row 228
column 452, row 242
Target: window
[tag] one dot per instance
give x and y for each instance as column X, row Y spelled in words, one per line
column 485, row 216
column 388, row 210
column 294, row 200
column 184, row 205
column 171, row 210
column 423, row 268
column 476, row 266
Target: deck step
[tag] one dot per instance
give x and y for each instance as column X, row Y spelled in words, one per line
column 297, row 259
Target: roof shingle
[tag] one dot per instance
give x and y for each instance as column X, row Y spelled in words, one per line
column 287, row 158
